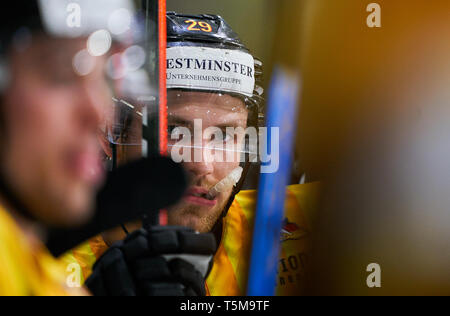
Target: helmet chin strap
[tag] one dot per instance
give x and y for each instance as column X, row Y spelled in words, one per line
column 218, row 226
column 113, row 167
column 252, row 121
column 236, row 189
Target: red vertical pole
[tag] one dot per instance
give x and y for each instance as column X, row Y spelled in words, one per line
column 163, row 134
column 162, row 77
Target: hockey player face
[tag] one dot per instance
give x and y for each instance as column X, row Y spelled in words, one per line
column 51, row 155
column 204, row 113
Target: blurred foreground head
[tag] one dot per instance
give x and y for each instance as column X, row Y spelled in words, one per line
column 376, row 126
column 54, row 96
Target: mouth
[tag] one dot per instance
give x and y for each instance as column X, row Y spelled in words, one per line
column 86, row 165
column 200, row 196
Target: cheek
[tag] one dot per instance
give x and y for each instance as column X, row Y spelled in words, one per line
column 223, row 169
column 37, row 117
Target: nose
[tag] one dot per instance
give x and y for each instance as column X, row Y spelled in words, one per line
column 202, row 167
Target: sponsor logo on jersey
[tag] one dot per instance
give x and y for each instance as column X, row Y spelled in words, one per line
column 291, row 231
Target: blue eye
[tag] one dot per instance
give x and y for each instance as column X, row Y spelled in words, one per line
column 171, row 128
column 174, row 130
column 227, row 137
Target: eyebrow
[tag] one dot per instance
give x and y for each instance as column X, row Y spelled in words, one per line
column 173, row 119
column 53, row 59
column 55, row 50
column 230, row 124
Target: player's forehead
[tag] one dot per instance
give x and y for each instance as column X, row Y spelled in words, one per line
column 185, row 100
column 43, row 45
column 48, row 54
column 212, row 108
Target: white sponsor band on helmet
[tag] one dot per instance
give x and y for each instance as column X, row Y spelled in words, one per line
column 210, row 69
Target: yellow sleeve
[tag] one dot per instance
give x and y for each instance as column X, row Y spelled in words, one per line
column 14, row 258
column 28, row 269
column 79, row 261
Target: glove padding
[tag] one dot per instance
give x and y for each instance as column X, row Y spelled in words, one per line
column 138, row 266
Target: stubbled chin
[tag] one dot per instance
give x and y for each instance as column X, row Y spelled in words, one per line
column 190, row 220
column 185, row 220
column 201, row 219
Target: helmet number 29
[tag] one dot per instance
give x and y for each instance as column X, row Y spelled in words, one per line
column 203, row 26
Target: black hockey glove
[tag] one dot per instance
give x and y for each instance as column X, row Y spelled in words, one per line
column 162, row 261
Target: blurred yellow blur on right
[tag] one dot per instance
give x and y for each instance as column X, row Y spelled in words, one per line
column 375, row 127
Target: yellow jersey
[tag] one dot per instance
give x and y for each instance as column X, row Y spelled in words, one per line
column 228, row 276
column 26, row 269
